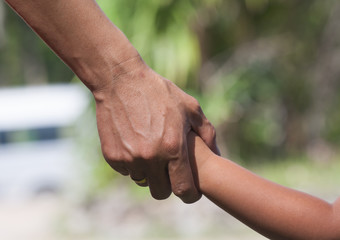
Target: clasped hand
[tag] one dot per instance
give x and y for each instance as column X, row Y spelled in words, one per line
column 143, row 121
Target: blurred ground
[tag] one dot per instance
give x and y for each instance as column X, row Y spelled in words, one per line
column 127, row 212
column 47, row 217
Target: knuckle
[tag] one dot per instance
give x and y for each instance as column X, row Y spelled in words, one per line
column 147, row 152
column 171, row 145
column 109, row 154
column 194, row 101
column 182, row 191
column 195, row 105
column 113, row 156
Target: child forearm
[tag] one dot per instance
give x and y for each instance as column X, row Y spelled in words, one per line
column 272, row 210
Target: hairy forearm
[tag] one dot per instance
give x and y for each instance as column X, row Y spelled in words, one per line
column 273, row 210
column 81, row 35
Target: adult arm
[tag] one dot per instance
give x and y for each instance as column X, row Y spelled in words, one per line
column 274, row 211
column 142, row 118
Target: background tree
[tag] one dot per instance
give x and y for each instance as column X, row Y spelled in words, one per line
column 266, row 72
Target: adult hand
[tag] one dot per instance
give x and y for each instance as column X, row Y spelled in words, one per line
column 143, row 121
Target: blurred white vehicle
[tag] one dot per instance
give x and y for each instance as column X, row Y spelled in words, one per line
column 36, row 142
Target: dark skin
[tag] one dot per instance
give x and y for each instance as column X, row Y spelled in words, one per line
column 143, row 119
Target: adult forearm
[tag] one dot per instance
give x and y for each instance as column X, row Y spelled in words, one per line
column 81, row 35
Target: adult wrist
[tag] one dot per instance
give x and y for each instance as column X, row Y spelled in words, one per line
column 109, row 79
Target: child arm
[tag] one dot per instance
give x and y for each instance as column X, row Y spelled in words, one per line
column 272, row 210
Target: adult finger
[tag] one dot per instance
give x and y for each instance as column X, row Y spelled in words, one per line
column 138, row 177
column 159, row 183
column 203, row 127
column 182, row 180
column 119, row 168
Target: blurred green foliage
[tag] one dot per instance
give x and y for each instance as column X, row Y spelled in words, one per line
column 265, row 72
column 160, row 31
column 24, row 58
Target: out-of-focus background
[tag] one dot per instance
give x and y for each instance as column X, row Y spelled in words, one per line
column 267, row 74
